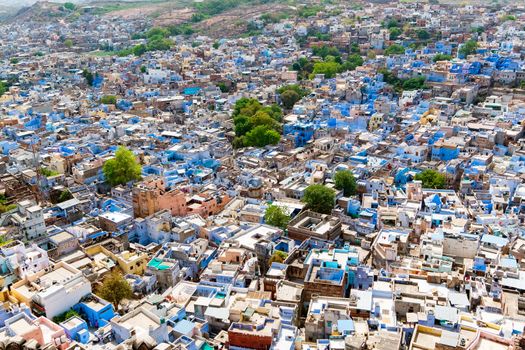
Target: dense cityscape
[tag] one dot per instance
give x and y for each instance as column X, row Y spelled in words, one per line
column 262, row 174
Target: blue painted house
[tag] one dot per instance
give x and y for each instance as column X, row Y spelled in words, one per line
column 95, row 310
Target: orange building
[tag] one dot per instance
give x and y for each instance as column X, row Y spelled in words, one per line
column 208, row 203
column 150, row 196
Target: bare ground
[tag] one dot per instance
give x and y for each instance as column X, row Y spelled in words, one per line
column 233, row 22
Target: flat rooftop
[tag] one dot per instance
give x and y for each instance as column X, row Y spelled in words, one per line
column 248, row 238
column 140, row 320
column 94, row 304
column 59, row 275
column 21, row 326
column 61, row 237
column 72, row 322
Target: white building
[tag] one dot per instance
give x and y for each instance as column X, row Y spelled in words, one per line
column 23, row 260
column 30, row 219
column 52, row 291
column 140, row 322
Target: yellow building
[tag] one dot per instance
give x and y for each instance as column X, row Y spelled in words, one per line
column 128, row 262
column 375, row 121
column 429, row 117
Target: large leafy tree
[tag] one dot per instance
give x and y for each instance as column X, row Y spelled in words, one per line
column 319, row 198
column 108, row 100
column 114, row 289
column 423, row 34
column 88, row 76
column 395, row 32
column 122, row 168
column 394, row 49
column 255, row 124
column 442, row 57
column 276, row 216
column 329, row 69
column 290, row 94
column 261, row 136
column 468, row 48
column 69, row 6
column 289, row 98
column 345, row 180
column 431, row 179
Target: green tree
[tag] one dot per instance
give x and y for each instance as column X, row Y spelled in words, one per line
column 507, row 18
column 197, row 17
column 276, row 216
column 392, row 23
column 123, row 168
column 468, row 48
column 345, row 180
column 88, row 76
column 68, row 43
column 65, row 316
column 325, row 50
column 431, row 179
column 216, row 45
column 159, row 44
column 442, row 57
column 114, row 289
column 242, row 125
column 319, row 198
column 139, row 50
column 48, row 172
column 108, row 100
column 261, row 136
column 395, row 32
column 181, row 29
column 4, row 206
column 414, row 83
column 304, row 67
column 258, row 125
column 69, row 6
column 246, row 106
column 309, row 11
column 294, row 87
column 394, row 50
column 65, row 195
column 478, row 30
column 352, row 62
column 223, row 87
column 14, row 60
column 143, row 69
column 329, row 69
column 263, row 118
column 157, row 32
column 423, row 34
column 289, row 98
column 278, row 257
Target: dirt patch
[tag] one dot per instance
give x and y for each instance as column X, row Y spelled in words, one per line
column 137, row 10
column 173, row 16
column 233, row 22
